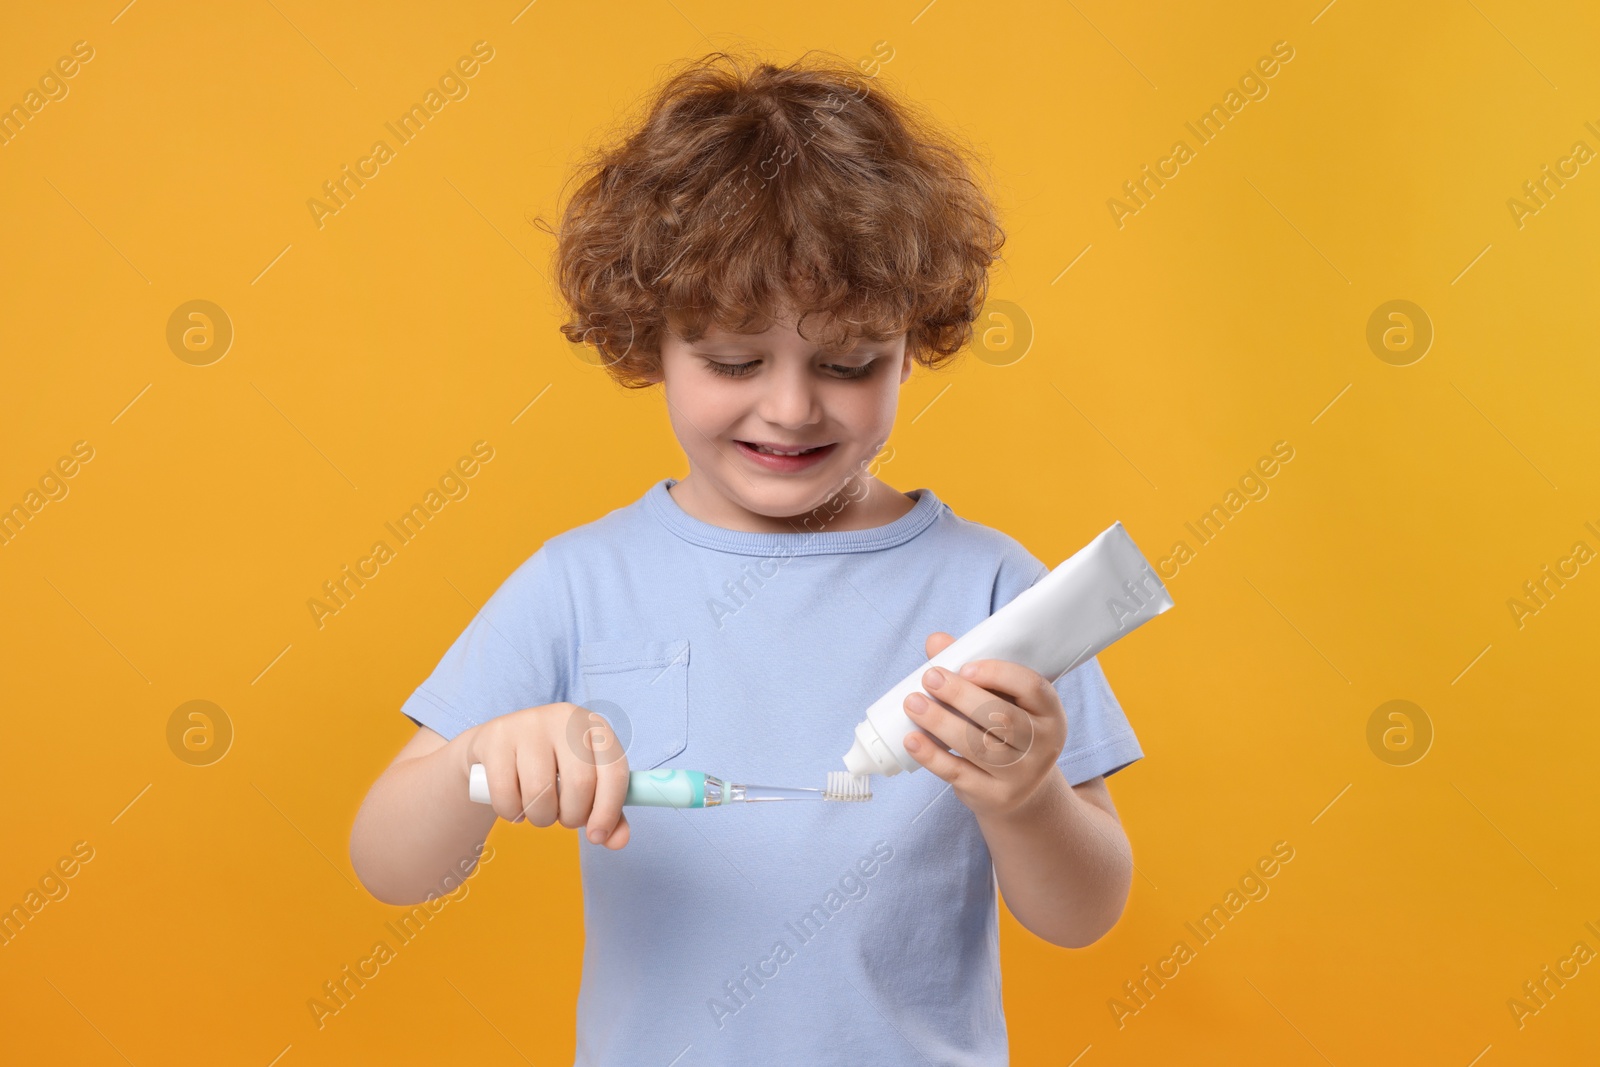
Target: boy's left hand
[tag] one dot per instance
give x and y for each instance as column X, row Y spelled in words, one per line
column 1021, row 728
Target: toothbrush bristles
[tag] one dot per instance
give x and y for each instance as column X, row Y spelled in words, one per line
column 842, row 785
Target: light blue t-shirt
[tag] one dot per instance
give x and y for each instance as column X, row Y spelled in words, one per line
column 786, row 933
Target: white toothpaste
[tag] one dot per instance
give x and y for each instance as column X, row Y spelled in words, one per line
column 1102, row 592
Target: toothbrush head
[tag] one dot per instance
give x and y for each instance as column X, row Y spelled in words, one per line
column 842, row 785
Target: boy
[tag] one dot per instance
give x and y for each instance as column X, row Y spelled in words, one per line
column 739, row 620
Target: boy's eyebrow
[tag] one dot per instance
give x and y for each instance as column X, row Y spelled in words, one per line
column 864, row 347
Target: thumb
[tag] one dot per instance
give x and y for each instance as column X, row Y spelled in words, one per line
column 937, row 642
column 619, row 835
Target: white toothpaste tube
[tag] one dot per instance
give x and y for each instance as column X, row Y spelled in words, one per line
column 1102, row 592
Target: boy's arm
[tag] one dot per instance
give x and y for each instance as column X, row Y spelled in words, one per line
column 1062, row 861
column 417, row 825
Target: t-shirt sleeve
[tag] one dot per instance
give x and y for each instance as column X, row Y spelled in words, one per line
column 1100, row 740
column 514, row 654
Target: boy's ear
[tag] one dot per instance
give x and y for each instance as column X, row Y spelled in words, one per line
column 905, row 368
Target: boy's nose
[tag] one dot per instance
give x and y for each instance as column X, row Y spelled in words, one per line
column 789, row 400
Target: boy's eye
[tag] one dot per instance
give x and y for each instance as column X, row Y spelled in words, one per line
column 731, row 370
column 739, row 370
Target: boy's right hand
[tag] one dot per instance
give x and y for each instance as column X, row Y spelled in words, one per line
column 523, row 753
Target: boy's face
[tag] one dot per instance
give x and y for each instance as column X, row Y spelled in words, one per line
column 728, row 392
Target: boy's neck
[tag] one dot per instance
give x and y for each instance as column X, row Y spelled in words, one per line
column 879, row 506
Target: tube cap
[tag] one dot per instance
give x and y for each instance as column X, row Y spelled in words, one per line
column 478, row 784
column 869, row 755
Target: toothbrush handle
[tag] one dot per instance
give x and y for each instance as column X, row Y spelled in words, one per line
column 661, row 788
column 666, row 788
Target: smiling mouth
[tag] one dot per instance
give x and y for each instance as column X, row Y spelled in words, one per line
column 766, row 456
column 772, row 451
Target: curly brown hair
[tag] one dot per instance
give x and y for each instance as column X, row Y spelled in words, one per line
column 750, row 189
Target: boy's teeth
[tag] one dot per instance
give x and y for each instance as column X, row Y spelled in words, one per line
column 775, row 452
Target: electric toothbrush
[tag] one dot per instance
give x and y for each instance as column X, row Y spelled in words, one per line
column 670, row 788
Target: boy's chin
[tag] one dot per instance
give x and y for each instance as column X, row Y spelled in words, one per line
column 783, row 496
column 781, row 502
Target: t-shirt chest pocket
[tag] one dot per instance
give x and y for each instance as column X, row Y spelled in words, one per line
column 642, row 689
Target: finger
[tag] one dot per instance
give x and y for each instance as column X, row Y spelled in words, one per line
column 611, row 787
column 1025, row 687
column 937, row 642
column 504, row 795
column 945, row 765
column 992, row 719
column 618, row 837
column 536, row 773
column 949, row 729
column 575, row 790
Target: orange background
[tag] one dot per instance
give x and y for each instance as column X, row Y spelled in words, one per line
column 1229, row 313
